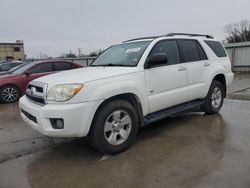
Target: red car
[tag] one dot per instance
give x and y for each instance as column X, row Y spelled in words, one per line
column 13, row 85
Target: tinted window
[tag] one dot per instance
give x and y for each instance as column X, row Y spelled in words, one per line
column 217, row 48
column 60, row 66
column 170, row 47
column 43, row 67
column 6, row 66
column 203, row 56
column 189, row 50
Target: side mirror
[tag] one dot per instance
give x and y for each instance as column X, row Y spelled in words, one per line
column 156, row 60
column 28, row 73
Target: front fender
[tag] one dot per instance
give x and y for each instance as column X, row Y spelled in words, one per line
column 119, row 87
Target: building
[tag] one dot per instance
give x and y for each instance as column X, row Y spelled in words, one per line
column 12, row 51
column 239, row 54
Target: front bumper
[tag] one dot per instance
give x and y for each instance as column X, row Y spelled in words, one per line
column 77, row 117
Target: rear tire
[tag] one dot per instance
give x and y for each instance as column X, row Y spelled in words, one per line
column 114, row 127
column 214, row 99
column 9, row 94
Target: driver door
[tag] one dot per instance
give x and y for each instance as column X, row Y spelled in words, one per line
column 166, row 84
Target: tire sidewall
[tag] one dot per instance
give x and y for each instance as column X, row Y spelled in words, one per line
column 3, row 88
column 99, row 124
column 213, row 86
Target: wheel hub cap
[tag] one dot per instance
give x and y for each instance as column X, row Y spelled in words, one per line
column 9, row 94
column 117, row 127
column 216, row 97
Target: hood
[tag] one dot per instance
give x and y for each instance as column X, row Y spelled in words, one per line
column 83, row 75
column 8, row 76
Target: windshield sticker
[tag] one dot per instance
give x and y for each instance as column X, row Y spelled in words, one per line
column 131, row 50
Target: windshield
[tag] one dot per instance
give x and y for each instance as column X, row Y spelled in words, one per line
column 127, row 54
column 22, row 69
column 17, row 67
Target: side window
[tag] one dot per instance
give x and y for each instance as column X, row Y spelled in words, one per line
column 61, row 66
column 43, row 67
column 170, row 47
column 217, row 48
column 189, row 50
column 203, row 56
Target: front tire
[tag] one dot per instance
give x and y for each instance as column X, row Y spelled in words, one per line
column 9, row 94
column 214, row 99
column 114, row 127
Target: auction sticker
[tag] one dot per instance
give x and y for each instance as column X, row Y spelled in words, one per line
column 131, row 50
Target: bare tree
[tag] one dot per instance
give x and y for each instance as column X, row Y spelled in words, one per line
column 238, row 32
column 95, row 53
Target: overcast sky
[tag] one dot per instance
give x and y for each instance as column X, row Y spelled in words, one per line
column 58, row 26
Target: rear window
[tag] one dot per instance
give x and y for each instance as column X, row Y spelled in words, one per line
column 217, row 48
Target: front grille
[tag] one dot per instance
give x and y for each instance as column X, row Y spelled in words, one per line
column 36, row 92
column 38, row 89
column 36, row 99
column 29, row 116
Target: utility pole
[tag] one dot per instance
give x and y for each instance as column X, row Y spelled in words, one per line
column 79, row 52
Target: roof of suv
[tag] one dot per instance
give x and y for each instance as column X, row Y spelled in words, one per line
column 171, row 35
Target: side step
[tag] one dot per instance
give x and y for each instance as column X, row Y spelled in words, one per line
column 156, row 116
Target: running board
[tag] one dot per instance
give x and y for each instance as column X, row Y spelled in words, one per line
column 156, row 116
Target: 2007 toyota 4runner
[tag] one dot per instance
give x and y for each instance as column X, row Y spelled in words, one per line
column 128, row 86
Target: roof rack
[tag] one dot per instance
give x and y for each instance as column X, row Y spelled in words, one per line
column 189, row 34
column 142, row 38
column 171, row 35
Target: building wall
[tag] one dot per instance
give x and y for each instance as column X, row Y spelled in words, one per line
column 239, row 54
column 12, row 50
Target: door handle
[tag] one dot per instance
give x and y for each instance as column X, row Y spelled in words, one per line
column 181, row 68
column 206, row 64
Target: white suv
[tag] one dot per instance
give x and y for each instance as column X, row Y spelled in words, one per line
column 128, row 86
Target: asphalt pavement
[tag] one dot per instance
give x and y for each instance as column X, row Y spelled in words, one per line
column 189, row 150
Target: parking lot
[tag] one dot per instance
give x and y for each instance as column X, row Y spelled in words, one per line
column 190, row 150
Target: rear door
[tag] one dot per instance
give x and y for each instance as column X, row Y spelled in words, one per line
column 167, row 84
column 197, row 66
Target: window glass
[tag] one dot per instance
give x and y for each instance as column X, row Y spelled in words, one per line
column 201, row 52
column 16, row 49
column 15, row 64
column 5, row 66
column 60, row 66
column 189, row 50
column 43, row 67
column 170, row 47
column 217, row 48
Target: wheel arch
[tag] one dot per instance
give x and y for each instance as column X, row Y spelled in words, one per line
column 222, row 79
column 14, row 85
column 129, row 97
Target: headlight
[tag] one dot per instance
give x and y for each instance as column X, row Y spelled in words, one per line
column 60, row 93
